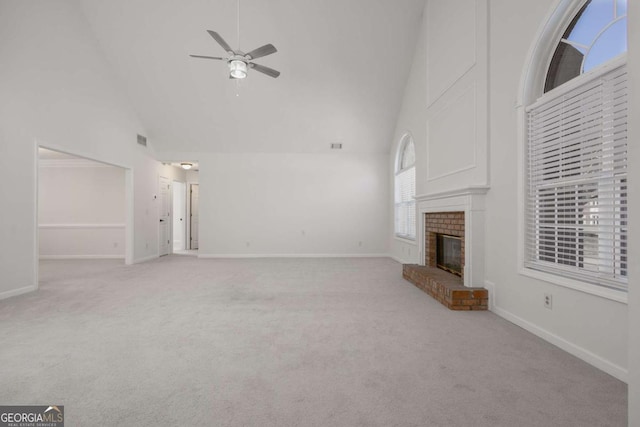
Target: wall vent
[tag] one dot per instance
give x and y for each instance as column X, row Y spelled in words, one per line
column 336, row 146
column 142, row 140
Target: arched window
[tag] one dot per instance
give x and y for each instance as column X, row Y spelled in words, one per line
column 576, row 212
column 597, row 34
column 405, row 189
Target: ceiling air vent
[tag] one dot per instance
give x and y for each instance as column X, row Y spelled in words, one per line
column 336, row 146
column 142, row 140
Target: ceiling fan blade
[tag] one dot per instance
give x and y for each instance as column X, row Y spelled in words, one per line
column 208, row 57
column 265, row 70
column 220, row 41
column 265, row 50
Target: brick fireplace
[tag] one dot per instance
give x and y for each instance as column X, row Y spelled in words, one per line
column 455, row 218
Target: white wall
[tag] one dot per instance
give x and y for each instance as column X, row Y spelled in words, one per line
column 411, row 119
column 455, row 155
column 293, row 204
column 452, row 106
column 592, row 327
column 173, row 173
column 81, row 211
column 57, row 90
column 444, row 105
column 634, row 209
column 193, row 176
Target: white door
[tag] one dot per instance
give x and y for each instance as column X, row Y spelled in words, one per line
column 165, row 215
column 179, row 216
column 195, row 214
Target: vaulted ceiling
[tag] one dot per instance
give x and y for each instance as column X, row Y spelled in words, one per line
column 344, row 67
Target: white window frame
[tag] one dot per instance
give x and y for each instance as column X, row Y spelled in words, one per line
column 531, row 88
column 409, row 204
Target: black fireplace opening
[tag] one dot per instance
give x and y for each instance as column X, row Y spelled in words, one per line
column 449, row 253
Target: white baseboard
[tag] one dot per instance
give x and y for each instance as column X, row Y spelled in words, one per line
column 79, row 226
column 401, row 261
column 16, row 292
column 49, row 257
column 145, row 259
column 246, row 256
column 491, row 287
column 593, row 359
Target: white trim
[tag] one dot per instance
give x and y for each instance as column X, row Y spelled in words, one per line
column 248, row 256
column 456, row 95
column 580, row 80
column 129, row 218
column 413, row 242
column 543, row 47
column 531, row 93
column 491, row 290
column 469, row 70
column 593, row 359
column 473, row 190
column 145, row 259
column 59, row 257
column 129, row 200
column 587, row 288
column 406, row 139
column 81, row 226
column 72, row 163
column 54, row 147
column 471, row 201
column 399, row 260
column 19, row 291
column 35, row 220
column 189, row 184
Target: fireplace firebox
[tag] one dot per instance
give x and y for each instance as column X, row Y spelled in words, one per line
column 449, row 253
column 444, row 242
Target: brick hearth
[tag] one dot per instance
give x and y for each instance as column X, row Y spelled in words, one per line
column 446, row 288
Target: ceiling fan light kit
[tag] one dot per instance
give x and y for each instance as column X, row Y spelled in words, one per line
column 240, row 62
column 237, row 69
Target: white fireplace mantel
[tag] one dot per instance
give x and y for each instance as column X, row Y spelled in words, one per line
column 471, row 201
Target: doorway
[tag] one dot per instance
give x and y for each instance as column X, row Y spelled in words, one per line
column 194, row 215
column 83, row 212
column 179, row 216
column 165, row 216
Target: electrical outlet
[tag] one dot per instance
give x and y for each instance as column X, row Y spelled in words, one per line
column 548, row 301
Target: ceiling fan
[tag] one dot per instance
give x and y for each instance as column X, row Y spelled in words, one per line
column 239, row 62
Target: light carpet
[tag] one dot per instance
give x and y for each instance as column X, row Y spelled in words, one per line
column 281, row 342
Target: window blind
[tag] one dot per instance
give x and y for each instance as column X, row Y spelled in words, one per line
column 405, row 204
column 576, row 207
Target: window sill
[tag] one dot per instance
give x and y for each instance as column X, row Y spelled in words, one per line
column 406, row 240
column 599, row 291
